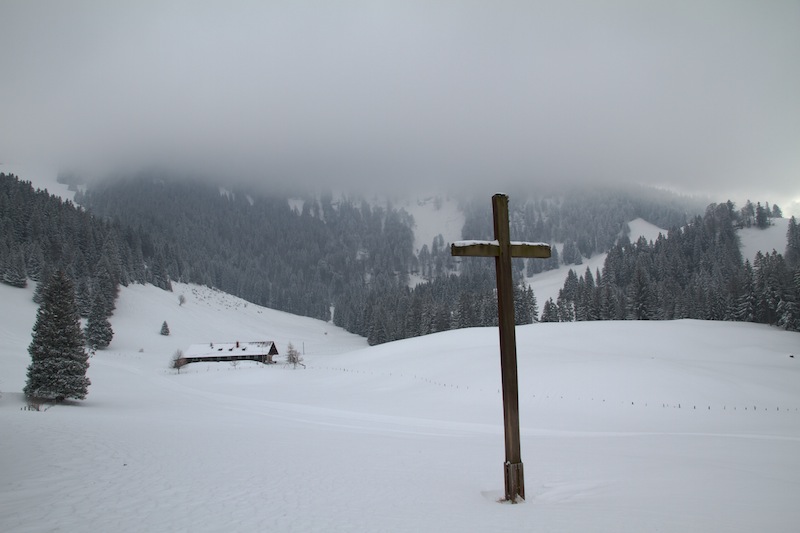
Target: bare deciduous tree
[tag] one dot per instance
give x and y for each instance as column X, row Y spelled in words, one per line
column 293, row 357
column 178, row 360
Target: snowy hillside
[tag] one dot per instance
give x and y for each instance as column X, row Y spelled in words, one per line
column 41, row 176
column 765, row 240
column 435, row 215
column 626, row 426
column 547, row 284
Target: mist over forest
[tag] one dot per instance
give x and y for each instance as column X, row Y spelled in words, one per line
column 406, row 95
column 353, row 260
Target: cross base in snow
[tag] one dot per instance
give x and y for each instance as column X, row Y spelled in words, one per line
column 515, row 481
column 502, row 249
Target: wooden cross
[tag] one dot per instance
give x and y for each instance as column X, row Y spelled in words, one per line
column 502, row 249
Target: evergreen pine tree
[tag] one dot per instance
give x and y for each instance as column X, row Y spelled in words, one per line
column 159, row 276
column 565, row 307
column 465, row 311
column 104, row 291
column 83, row 296
column 58, row 359
column 533, row 266
column 762, row 220
column 441, row 318
column 570, row 253
column 608, row 307
column 746, row 303
column 37, row 292
column 790, row 319
column 377, row 333
column 640, row 301
column 14, row 273
column 550, row 311
column 531, row 299
column 792, row 254
column 488, row 309
column 34, row 262
column 164, row 328
column 413, row 316
column 554, row 262
column 522, row 307
column 98, row 328
column 748, row 214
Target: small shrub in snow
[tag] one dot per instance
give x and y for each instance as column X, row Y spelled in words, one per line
column 178, row 360
column 164, row 328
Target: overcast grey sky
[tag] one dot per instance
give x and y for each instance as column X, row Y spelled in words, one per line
column 700, row 96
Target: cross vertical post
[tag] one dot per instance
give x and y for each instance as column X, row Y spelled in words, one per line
column 502, row 249
column 514, row 478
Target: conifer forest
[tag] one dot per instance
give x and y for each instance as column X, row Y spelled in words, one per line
column 351, row 260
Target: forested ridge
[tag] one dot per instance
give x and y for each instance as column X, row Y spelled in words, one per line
column 587, row 219
column 323, row 252
column 40, row 233
column 694, row 271
column 348, row 254
column 256, row 246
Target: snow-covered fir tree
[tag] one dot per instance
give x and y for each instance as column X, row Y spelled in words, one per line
column 550, row 311
column 14, row 273
column 792, row 254
column 58, row 358
column 98, row 328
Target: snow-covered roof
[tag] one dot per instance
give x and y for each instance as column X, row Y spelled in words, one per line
column 217, row 349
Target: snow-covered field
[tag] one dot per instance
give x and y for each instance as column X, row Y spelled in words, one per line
column 626, row 426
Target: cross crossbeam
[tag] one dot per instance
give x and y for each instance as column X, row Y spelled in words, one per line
column 503, row 250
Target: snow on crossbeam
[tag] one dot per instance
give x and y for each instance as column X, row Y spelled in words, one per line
column 538, row 250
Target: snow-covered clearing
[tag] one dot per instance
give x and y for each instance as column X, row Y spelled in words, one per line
column 42, row 176
column 435, row 215
column 626, row 426
column 547, row 284
column 766, row 240
column 639, row 227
